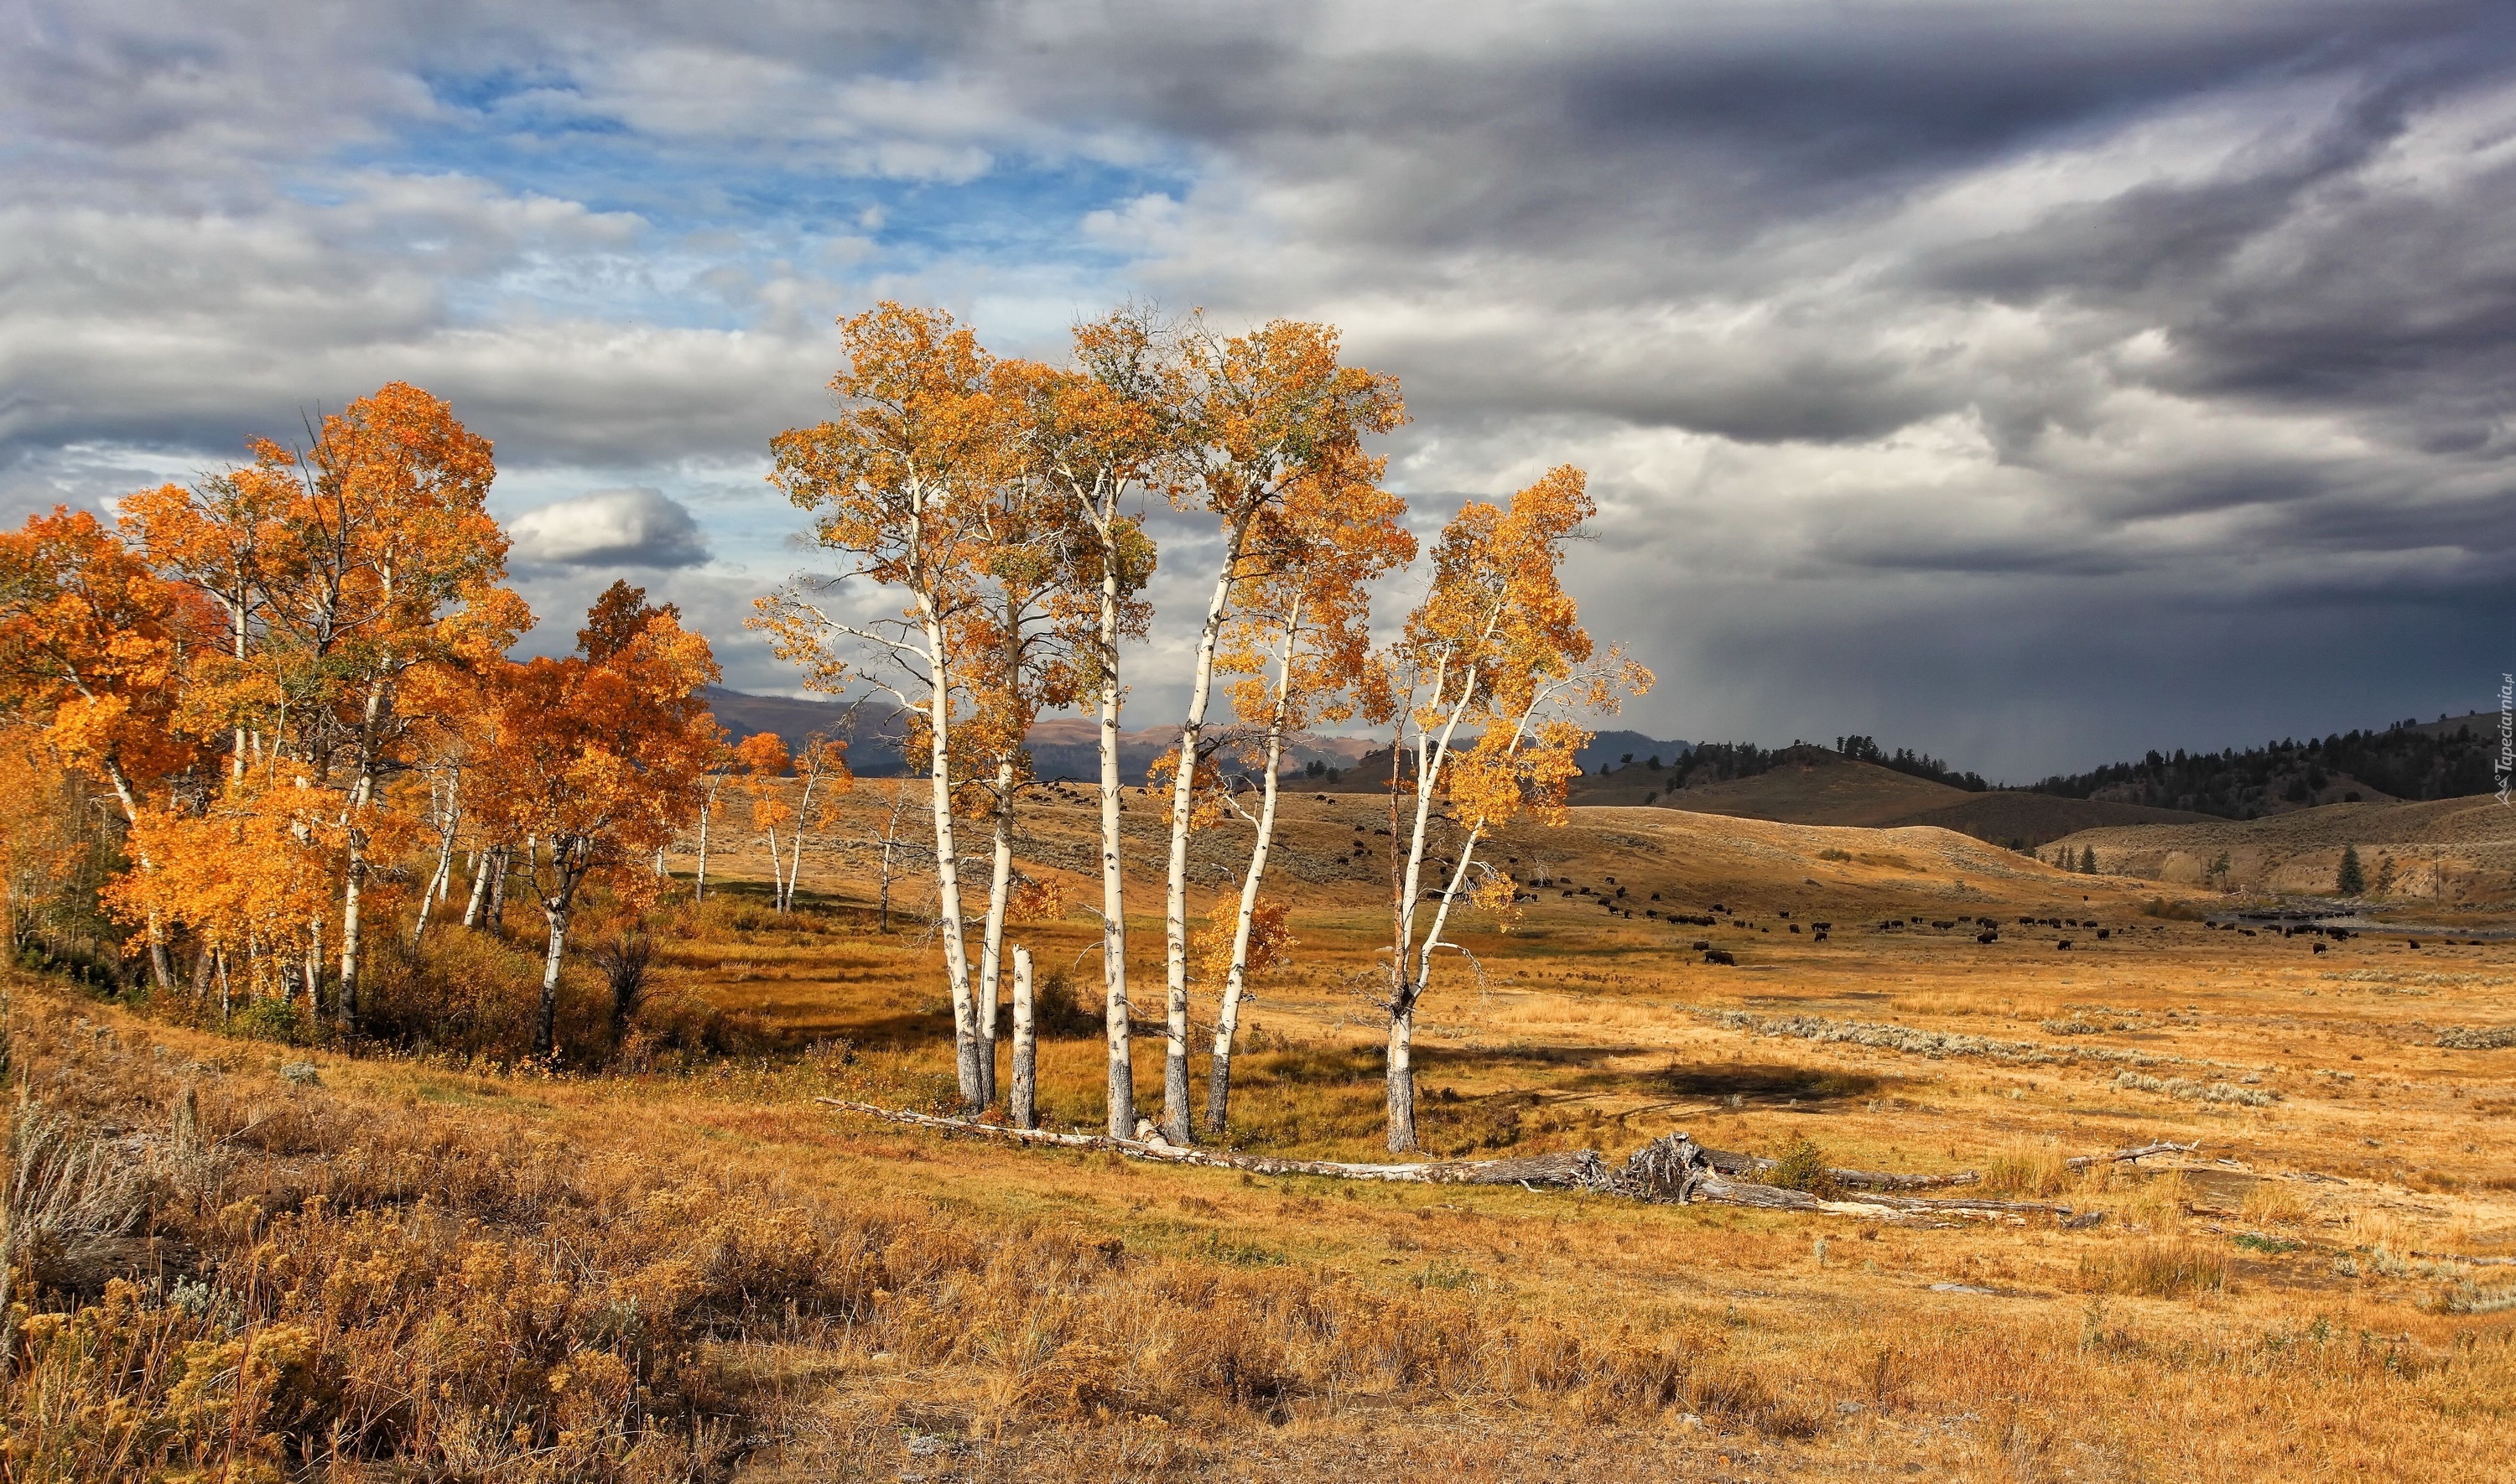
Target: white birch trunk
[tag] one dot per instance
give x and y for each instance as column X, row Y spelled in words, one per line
column 1023, row 1104
column 1405, row 987
column 947, row 867
column 991, row 941
column 1227, row 1018
column 707, row 811
column 1175, row 1084
column 479, row 889
column 1113, row 911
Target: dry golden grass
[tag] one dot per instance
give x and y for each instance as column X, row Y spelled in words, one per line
column 815, row 1298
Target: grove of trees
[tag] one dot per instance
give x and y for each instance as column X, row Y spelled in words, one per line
column 258, row 716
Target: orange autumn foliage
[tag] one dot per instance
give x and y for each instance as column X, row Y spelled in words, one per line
column 1494, row 652
column 596, row 762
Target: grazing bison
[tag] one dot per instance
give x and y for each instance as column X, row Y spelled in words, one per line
column 1719, row 956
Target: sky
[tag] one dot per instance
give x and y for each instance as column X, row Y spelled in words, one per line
column 2034, row 384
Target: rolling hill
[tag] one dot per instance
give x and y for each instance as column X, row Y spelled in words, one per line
column 2445, row 852
column 1812, row 785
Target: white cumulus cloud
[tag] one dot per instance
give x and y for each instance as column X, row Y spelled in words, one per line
column 636, row 528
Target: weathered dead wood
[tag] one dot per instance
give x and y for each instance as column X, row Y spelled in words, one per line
column 1881, row 1179
column 1674, row 1170
column 1579, row 1167
column 1724, row 1191
column 2126, row 1155
column 1728, row 1162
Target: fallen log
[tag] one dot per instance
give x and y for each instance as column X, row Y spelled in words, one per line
column 1576, row 1169
column 2126, row 1155
column 1878, row 1208
column 1674, row 1170
column 1728, row 1162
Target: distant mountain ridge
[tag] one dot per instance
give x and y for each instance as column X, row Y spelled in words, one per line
column 1063, row 748
column 2450, row 758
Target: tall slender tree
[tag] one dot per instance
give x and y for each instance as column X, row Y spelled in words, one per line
column 1018, row 644
column 1301, row 645
column 1264, row 414
column 763, row 761
column 1493, row 669
column 1096, row 432
column 893, row 483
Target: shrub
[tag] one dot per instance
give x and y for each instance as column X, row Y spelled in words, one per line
column 1060, row 1011
column 1801, row 1167
column 281, row 1021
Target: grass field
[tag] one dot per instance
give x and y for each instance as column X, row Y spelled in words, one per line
column 2311, row 1293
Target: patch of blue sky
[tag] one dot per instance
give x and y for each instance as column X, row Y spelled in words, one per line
column 713, row 216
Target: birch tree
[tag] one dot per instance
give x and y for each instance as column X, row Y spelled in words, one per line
column 90, row 645
column 761, row 761
column 891, row 483
column 1493, row 669
column 1301, row 645
column 1095, row 432
column 711, row 789
column 1018, row 643
column 1264, row 413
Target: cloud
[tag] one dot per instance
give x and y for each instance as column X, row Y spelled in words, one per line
column 1935, row 363
column 635, row 527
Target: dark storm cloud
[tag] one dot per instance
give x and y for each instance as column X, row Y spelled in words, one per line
column 2001, row 378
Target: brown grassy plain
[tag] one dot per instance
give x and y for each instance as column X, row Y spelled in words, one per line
column 825, row 1298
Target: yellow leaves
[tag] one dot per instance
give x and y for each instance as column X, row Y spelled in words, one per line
column 1035, row 900
column 1497, row 648
column 1206, row 799
column 1271, row 941
column 800, row 633
column 252, row 868
column 920, row 433
column 599, row 758
column 1272, row 407
column 88, row 644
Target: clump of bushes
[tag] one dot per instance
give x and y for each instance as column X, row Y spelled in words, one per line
column 1801, row 1167
column 2188, row 1091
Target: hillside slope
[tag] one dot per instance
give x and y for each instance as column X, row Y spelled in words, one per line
column 2450, row 758
column 1818, row 787
column 2448, row 851
column 1814, row 787
column 2012, row 817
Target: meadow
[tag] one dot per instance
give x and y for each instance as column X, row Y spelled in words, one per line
column 242, row 1259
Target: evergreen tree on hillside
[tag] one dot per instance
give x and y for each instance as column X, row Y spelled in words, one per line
column 2088, row 861
column 2351, row 879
